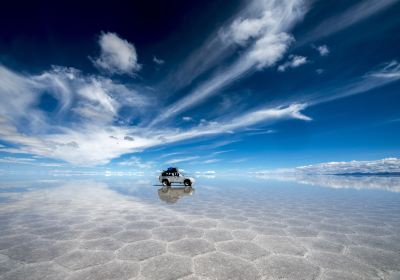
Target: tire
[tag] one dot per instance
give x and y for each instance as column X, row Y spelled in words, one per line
column 187, row 189
column 187, row 183
column 166, row 183
column 165, row 189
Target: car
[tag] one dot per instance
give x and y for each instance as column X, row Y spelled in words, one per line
column 173, row 176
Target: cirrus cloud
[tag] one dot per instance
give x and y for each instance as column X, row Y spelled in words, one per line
column 98, row 139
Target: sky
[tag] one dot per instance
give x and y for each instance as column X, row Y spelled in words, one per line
column 203, row 85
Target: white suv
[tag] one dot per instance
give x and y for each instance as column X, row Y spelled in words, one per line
column 173, row 176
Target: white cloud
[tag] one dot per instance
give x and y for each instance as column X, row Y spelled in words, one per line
column 118, row 56
column 87, row 127
column 269, row 49
column 217, row 144
column 323, row 50
column 84, row 130
column 239, row 160
column 221, row 152
column 136, row 162
column 178, row 160
column 92, row 104
column 187, row 119
column 266, row 116
column 261, row 132
column 94, row 97
column 293, row 62
column 158, row 61
column 210, row 174
column 264, row 53
column 171, row 154
column 30, row 161
column 17, row 160
column 256, row 18
column 319, row 71
column 264, row 18
column 208, row 161
column 96, row 104
column 358, row 12
column 385, row 74
column 262, row 29
column 390, row 70
column 88, row 135
column 244, row 29
column 18, row 96
column 94, row 146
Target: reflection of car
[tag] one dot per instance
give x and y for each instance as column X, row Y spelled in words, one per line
column 173, row 176
column 171, row 195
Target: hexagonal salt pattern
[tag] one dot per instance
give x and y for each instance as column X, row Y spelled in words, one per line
column 241, row 230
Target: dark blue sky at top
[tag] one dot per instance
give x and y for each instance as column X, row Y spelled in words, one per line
column 363, row 126
column 41, row 33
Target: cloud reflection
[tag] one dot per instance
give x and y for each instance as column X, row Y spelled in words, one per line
column 388, row 183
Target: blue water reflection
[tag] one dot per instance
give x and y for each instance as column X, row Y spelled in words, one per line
column 331, row 227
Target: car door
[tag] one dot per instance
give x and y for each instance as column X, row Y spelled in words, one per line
column 179, row 178
column 176, row 177
column 172, row 177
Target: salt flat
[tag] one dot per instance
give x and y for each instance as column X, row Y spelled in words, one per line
column 124, row 228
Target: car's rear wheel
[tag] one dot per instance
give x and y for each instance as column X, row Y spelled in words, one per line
column 165, row 189
column 187, row 183
column 166, row 183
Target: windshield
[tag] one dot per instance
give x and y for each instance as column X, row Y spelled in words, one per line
column 171, row 174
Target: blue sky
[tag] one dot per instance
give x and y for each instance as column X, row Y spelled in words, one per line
column 249, row 85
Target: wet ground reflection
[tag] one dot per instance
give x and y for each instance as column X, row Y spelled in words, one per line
column 238, row 228
column 362, row 182
column 171, row 195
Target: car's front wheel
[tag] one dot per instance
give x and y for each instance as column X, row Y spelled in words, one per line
column 187, row 183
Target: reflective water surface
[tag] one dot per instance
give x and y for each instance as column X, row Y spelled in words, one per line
column 224, row 228
column 172, row 195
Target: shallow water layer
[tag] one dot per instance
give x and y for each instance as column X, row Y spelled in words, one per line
column 236, row 228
